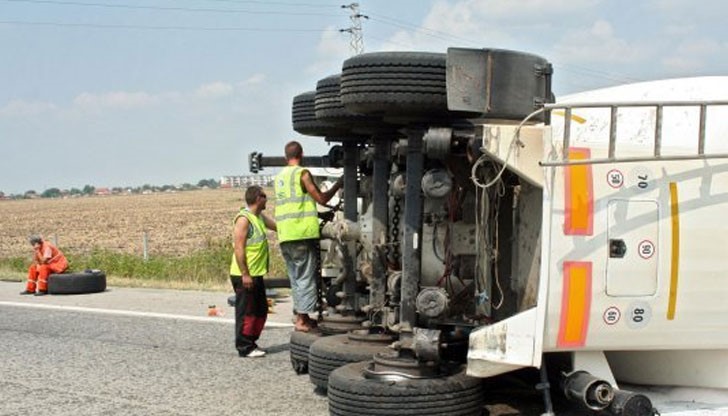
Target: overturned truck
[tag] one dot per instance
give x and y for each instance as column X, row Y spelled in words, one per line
column 480, row 235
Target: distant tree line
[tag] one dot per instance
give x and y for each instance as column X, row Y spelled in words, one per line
column 89, row 190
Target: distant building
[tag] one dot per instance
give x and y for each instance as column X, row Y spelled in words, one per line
column 245, row 181
column 102, row 191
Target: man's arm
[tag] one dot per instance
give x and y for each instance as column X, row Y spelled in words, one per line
column 44, row 254
column 269, row 222
column 310, row 186
column 240, row 240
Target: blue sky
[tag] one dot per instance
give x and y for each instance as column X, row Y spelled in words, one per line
column 128, row 92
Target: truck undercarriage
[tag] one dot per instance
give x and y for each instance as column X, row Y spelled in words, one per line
column 435, row 273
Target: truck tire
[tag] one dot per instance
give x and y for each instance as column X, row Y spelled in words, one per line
column 300, row 343
column 329, row 108
column 332, row 352
column 77, row 283
column 305, row 121
column 351, row 394
column 413, row 86
column 402, row 84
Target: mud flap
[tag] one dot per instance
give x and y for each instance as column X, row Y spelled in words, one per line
column 506, row 346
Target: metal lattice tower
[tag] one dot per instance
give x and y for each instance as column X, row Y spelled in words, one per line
column 355, row 31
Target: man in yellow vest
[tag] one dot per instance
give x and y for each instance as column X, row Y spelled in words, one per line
column 248, row 265
column 298, row 231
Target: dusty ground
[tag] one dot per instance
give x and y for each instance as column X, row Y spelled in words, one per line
column 175, row 223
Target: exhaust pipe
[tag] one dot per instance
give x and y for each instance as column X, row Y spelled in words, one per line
column 591, row 392
column 627, row 403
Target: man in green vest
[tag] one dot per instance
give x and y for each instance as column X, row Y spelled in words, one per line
column 248, row 265
column 298, row 231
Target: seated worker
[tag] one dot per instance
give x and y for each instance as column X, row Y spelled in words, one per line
column 47, row 259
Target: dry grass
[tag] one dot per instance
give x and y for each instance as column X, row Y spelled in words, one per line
column 175, row 223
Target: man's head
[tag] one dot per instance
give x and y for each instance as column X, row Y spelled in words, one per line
column 35, row 241
column 294, row 151
column 254, row 196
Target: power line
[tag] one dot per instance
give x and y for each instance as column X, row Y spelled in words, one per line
column 275, row 3
column 145, row 27
column 357, row 36
column 385, row 41
column 437, row 34
column 164, row 8
column 425, row 30
column 576, row 69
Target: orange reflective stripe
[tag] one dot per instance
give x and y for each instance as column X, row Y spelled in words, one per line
column 579, row 195
column 575, row 304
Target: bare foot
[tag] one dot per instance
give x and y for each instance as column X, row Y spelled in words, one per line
column 302, row 327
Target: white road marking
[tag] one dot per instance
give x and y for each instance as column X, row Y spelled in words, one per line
column 117, row 312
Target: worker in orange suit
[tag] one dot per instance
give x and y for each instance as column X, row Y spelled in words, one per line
column 47, row 259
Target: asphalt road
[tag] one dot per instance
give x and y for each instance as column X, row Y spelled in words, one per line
column 156, row 352
column 56, row 362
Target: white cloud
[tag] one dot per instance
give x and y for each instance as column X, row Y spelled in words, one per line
column 214, row 90
column 254, row 79
column 597, row 44
column 691, row 55
column 680, row 10
column 332, row 49
column 477, row 23
column 465, row 22
column 115, row 100
column 20, row 108
column 527, row 8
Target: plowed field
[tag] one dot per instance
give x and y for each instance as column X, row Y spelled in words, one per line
column 175, row 223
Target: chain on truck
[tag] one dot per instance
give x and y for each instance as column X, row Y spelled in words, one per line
column 481, row 234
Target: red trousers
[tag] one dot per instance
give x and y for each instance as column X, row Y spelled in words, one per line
column 40, row 272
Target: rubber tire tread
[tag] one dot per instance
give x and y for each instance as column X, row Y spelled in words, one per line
column 395, row 84
column 327, row 102
column 329, row 108
column 303, row 116
column 76, row 283
column 329, row 353
column 408, row 93
column 299, row 343
column 349, row 393
column 437, row 407
column 406, row 59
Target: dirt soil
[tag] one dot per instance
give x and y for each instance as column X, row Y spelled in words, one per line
column 175, row 223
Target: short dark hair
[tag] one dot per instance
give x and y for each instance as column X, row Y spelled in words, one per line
column 252, row 194
column 35, row 239
column 293, row 150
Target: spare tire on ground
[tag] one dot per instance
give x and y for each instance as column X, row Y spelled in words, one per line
column 89, row 281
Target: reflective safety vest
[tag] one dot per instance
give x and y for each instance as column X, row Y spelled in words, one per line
column 295, row 212
column 256, row 246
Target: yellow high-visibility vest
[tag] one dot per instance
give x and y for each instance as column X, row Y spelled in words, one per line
column 256, row 246
column 295, row 212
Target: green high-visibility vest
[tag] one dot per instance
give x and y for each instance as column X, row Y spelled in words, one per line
column 256, row 246
column 296, row 213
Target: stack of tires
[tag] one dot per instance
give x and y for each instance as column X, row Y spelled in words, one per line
column 379, row 95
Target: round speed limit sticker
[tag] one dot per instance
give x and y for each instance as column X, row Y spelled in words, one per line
column 639, row 315
column 611, row 315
